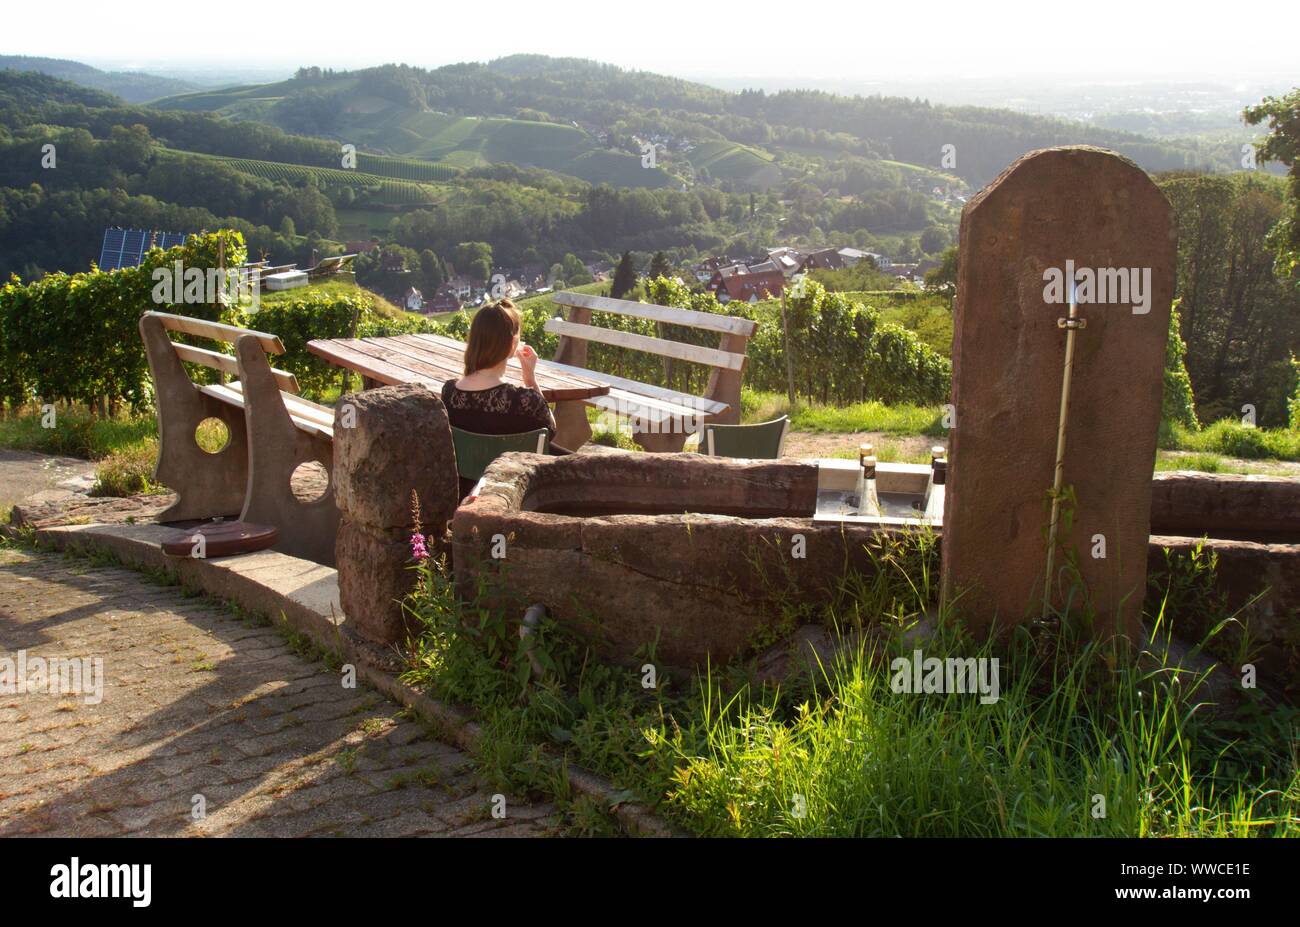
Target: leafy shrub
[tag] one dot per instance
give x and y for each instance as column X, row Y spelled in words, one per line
column 1293, row 404
column 75, row 338
column 127, row 472
column 1233, row 439
column 615, row 439
column 1179, row 404
column 842, row 351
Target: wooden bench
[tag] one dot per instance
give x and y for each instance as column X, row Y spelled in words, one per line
column 662, row 418
column 272, row 432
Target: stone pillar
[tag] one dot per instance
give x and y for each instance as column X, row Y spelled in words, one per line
column 1093, row 214
column 388, row 442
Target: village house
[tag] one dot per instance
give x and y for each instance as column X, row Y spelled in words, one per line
column 413, row 300
column 462, row 287
column 822, row 259
column 445, row 300
column 747, row 283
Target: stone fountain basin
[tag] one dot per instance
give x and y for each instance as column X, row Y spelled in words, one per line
column 695, row 555
column 690, row 555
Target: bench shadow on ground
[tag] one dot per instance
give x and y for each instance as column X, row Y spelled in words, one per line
column 266, row 728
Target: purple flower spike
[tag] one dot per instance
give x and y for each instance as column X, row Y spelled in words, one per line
column 418, row 550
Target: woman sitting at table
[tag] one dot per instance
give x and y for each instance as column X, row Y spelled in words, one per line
column 481, row 401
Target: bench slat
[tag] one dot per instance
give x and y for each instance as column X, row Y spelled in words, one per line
column 688, row 317
column 710, row 406
column 629, row 405
column 303, row 408
column 653, row 408
column 217, row 331
column 308, row 416
column 688, row 352
column 226, row 363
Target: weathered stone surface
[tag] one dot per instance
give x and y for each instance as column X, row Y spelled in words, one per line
column 45, row 510
column 692, row 586
column 388, row 442
column 374, row 574
column 1225, row 505
column 1098, row 210
column 79, row 509
column 1260, row 584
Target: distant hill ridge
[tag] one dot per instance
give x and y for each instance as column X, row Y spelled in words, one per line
column 523, row 108
column 132, row 86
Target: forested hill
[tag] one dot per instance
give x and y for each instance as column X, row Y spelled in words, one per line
column 132, row 86
column 391, row 108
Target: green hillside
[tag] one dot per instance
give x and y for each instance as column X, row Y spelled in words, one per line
column 415, row 134
column 723, row 160
column 391, row 192
column 132, row 86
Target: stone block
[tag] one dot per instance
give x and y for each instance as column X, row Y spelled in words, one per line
column 388, row 442
column 1093, row 215
column 374, row 573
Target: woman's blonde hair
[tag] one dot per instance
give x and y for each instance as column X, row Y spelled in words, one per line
column 491, row 336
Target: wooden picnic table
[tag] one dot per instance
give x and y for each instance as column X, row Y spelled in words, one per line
column 434, row 359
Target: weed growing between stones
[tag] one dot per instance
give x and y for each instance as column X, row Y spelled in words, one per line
column 1084, row 738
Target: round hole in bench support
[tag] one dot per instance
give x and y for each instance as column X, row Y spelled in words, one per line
column 309, row 481
column 212, row 435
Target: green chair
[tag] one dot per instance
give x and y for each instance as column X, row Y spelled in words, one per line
column 763, row 441
column 475, row 451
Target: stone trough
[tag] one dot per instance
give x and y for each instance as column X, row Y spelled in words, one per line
column 688, row 554
column 696, row 556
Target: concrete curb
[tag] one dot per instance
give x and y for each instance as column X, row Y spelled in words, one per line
column 305, row 596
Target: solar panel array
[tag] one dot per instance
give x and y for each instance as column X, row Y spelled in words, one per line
column 127, row 247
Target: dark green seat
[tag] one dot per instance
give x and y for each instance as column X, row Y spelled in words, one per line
column 475, row 451
column 763, row 441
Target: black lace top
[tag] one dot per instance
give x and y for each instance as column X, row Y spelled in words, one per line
column 504, row 409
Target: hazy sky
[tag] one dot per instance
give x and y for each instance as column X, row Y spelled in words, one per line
column 698, row 38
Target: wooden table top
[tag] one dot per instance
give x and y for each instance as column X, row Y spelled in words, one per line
column 434, row 359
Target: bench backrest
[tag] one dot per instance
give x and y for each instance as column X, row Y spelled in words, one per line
column 229, row 334
column 578, row 326
column 727, row 359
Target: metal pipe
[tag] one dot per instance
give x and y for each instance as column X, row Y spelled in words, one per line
column 1071, row 326
column 533, row 616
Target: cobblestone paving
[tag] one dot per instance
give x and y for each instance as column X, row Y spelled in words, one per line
column 200, row 702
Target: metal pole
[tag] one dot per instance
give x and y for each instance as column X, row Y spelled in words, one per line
column 1071, row 326
column 789, row 363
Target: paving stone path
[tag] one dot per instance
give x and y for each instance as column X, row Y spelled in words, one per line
column 198, row 701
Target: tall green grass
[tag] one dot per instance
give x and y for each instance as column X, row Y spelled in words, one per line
column 75, row 432
column 1084, row 739
column 124, row 448
column 862, row 416
column 1231, row 438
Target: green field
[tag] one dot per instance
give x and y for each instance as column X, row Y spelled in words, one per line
column 390, row 192
column 732, row 161
column 405, row 168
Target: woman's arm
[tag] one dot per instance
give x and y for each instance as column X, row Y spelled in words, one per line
column 528, row 365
